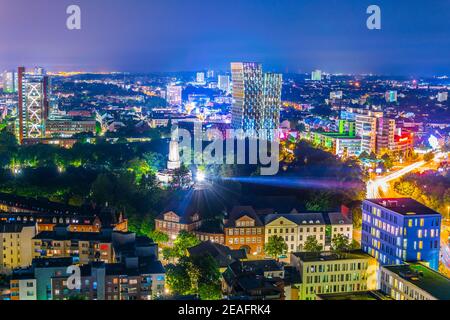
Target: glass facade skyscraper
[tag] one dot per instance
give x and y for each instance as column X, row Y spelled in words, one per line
column 33, row 104
column 256, row 97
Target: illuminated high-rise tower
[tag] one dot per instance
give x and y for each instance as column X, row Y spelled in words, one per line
column 200, row 77
column 316, row 75
column 33, row 104
column 174, row 95
column 256, row 97
column 224, row 83
column 10, row 82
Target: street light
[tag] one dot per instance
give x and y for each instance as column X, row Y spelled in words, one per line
column 200, row 176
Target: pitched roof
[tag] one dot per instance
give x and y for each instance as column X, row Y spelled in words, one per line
column 222, row 254
column 240, row 211
column 188, row 202
column 313, row 218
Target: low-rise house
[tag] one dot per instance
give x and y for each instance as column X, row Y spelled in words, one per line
column 254, row 280
column 223, row 255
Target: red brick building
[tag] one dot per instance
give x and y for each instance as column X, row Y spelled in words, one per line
column 244, row 230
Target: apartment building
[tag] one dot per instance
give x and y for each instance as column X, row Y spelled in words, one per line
column 366, row 128
column 23, row 288
column 16, row 245
column 135, row 274
column 116, row 281
column 139, row 278
column 84, row 247
column 49, row 214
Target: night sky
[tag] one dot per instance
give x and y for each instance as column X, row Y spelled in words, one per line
column 188, row 35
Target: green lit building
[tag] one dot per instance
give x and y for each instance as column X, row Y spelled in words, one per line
column 343, row 143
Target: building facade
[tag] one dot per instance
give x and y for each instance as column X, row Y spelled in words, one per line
column 224, row 83
column 326, row 273
column 256, row 97
column 83, row 247
column 47, row 279
column 16, row 245
column 171, row 224
column 67, row 127
column 296, row 228
column 414, row 282
column 33, row 91
column 244, row 230
column 400, row 230
column 173, row 95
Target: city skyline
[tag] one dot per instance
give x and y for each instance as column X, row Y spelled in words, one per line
column 241, row 151
column 292, row 36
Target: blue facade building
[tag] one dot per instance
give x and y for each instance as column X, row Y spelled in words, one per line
column 400, row 230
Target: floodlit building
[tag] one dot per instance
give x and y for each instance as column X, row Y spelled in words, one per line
column 69, row 126
column 137, row 278
column 376, row 131
column 33, row 91
column 10, row 82
column 385, row 135
column 173, row 95
column 295, row 228
column 210, row 74
column 224, row 83
column 366, row 128
column 400, row 230
column 200, row 77
column 316, row 75
column 83, row 246
column 245, row 230
column 332, row 273
column 256, row 97
column 391, row 96
column 403, row 144
column 23, row 288
column 414, row 281
column 442, row 96
column 16, row 245
column 343, row 143
column 336, row 95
